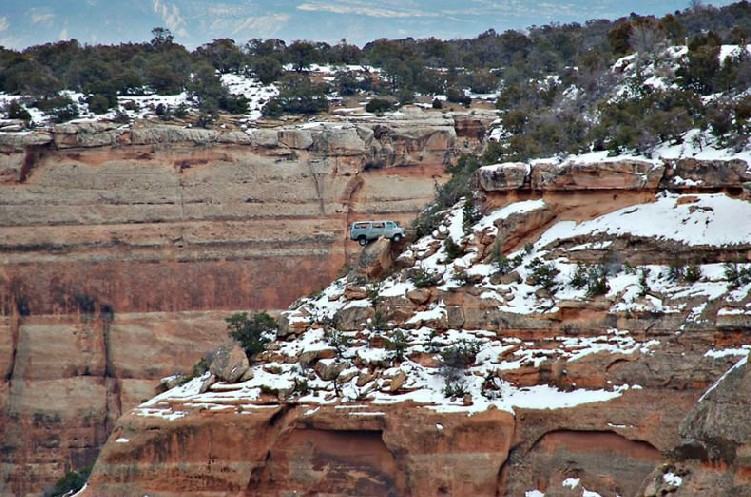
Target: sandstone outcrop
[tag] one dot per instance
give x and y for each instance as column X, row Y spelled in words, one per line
column 124, row 248
column 472, row 374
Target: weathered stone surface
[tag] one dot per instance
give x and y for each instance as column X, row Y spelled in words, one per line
column 329, row 369
column 375, row 259
column 616, row 175
column 229, row 363
column 151, row 135
column 692, row 174
column 419, row 296
column 502, row 177
column 19, row 141
column 300, row 139
column 353, row 317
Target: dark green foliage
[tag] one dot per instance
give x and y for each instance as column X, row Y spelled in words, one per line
column 61, row 108
column 642, row 122
column 222, row 54
column 298, row 95
column 398, row 343
column 301, row 54
column 379, row 322
column 703, row 64
column 453, row 250
column 301, row 387
column 447, row 195
column 579, row 278
column 737, row 276
column 347, row 83
column 380, row 105
column 252, row 333
column 17, row 111
column 424, row 279
column 503, row 263
column 454, row 388
column 454, row 361
column 101, row 104
column 338, row 340
column 461, row 355
column 471, row 215
column 597, row 281
column 676, row 272
column 692, row 273
column 72, row 482
column 373, row 294
column 456, row 95
column 267, row 69
column 644, row 282
column 543, row 274
column 200, row 367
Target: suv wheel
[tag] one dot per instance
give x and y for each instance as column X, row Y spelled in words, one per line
column 362, row 241
column 397, row 238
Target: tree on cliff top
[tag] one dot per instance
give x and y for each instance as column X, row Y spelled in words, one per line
column 252, row 333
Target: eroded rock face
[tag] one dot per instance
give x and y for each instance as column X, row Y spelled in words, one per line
column 462, row 373
column 119, row 243
column 713, row 456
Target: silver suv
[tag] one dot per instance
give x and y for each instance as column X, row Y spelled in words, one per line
column 367, row 231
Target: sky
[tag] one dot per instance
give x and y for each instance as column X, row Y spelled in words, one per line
column 194, row 22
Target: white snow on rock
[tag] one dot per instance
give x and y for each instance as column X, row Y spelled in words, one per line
column 368, row 362
column 256, row 92
column 737, row 365
column 713, row 219
column 672, row 479
column 571, row 483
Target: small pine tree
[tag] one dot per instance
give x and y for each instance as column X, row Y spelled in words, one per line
column 251, row 332
column 692, row 273
column 579, row 278
column 453, row 250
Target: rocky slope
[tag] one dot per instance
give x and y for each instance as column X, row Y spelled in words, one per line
column 122, row 249
column 550, row 345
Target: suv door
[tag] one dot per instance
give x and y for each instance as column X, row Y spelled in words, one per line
column 377, row 229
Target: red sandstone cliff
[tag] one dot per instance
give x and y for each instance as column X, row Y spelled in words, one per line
column 569, row 390
column 122, row 249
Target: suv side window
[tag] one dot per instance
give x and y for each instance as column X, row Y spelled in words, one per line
column 378, row 226
column 390, row 225
column 362, row 226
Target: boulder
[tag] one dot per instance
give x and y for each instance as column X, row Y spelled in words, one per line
column 502, row 177
column 339, row 141
column 234, row 137
column 419, row 296
column 690, row 173
column 623, row 174
column 152, row 135
column 375, row 258
column 266, row 138
column 229, row 363
column 355, row 293
column 10, row 167
column 299, row 139
column 353, row 317
column 308, row 357
column 397, row 381
column 329, row 369
column 19, row 141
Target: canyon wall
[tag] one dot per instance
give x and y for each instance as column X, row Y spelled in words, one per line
column 122, row 250
column 467, row 374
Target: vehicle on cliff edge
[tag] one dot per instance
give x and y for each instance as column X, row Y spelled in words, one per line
column 365, row 232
